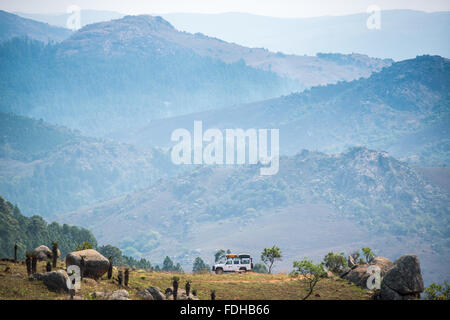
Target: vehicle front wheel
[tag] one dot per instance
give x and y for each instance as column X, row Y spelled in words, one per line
column 219, row 271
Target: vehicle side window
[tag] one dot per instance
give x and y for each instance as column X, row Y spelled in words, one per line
column 245, row 261
column 229, row 261
column 236, row 261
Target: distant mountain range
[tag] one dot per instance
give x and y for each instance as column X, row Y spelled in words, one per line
column 60, row 19
column 12, row 26
column 118, row 75
column 144, row 33
column 404, row 109
column 404, row 34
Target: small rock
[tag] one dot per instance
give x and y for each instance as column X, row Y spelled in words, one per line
column 152, row 293
column 120, row 294
column 55, row 280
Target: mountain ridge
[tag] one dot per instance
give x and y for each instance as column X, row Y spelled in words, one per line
column 155, row 33
column 12, row 26
column 403, row 109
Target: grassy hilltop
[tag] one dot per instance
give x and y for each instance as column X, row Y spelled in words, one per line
column 14, row 284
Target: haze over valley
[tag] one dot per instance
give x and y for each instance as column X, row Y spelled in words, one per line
column 86, row 119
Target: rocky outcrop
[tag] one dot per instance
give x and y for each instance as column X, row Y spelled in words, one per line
column 120, row 294
column 403, row 281
column 44, row 253
column 55, row 280
column 359, row 273
column 96, row 264
column 152, row 293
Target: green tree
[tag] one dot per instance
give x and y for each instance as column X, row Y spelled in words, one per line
column 270, row 255
column 368, row 254
column 335, row 262
column 438, row 291
column 219, row 255
column 309, row 273
column 200, row 266
column 167, row 264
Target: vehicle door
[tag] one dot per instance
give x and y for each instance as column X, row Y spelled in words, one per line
column 236, row 264
column 229, row 265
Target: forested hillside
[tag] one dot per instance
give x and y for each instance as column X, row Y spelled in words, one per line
column 403, row 109
column 100, row 95
column 47, row 169
column 31, row 232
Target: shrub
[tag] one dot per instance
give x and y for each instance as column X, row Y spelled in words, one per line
column 260, row 268
column 438, row 291
column 310, row 274
column 335, row 262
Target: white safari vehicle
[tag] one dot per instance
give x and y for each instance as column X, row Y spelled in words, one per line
column 234, row 263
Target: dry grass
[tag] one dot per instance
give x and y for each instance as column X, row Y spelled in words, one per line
column 252, row 286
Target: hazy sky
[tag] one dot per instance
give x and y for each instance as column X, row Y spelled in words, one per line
column 278, row 8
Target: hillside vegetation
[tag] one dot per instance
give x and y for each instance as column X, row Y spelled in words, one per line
column 31, row 232
column 321, row 199
column 116, row 76
column 47, row 169
column 403, row 109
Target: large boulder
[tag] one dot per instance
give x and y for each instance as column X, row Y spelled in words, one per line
column 96, row 264
column 55, row 280
column 44, row 253
column 152, row 293
column 359, row 274
column 404, row 280
column 383, row 263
